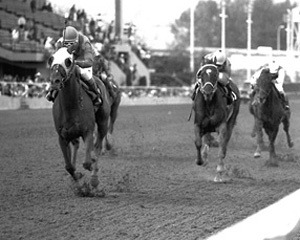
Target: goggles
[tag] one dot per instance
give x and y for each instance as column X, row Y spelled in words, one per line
column 68, row 44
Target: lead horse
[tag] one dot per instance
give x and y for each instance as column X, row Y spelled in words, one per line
column 269, row 113
column 213, row 114
column 75, row 116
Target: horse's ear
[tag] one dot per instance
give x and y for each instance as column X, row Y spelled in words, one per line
column 50, row 61
column 68, row 62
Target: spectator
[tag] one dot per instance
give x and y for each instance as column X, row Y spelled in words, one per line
column 47, row 7
column 135, row 75
column 37, row 77
column 33, row 6
column 21, row 28
column 15, row 36
column 92, row 28
column 21, row 22
column 72, row 13
column 110, row 30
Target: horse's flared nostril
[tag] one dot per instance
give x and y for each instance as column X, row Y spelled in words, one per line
column 56, row 81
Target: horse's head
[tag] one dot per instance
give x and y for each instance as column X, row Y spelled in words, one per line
column 264, row 85
column 208, row 78
column 61, row 64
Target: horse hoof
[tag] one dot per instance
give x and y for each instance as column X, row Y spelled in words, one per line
column 271, row 164
column 214, row 144
column 199, row 162
column 87, row 166
column 108, row 146
column 291, row 144
column 218, row 179
column 77, row 176
column 94, row 181
column 256, row 155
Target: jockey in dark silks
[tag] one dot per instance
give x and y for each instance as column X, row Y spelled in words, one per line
column 82, row 50
column 219, row 59
column 101, row 69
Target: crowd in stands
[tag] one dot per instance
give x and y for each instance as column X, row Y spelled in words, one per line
column 100, row 32
column 14, row 86
column 38, row 89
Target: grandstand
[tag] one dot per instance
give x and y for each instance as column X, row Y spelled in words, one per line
column 27, row 57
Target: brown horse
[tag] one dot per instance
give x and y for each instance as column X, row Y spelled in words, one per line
column 98, row 68
column 212, row 114
column 268, row 112
column 75, row 117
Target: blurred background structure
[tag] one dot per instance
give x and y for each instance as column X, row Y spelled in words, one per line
column 250, row 31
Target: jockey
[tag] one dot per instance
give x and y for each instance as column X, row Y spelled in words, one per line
column 278, row 75
column 219, row 59
column 105, row 74
column 82, row 50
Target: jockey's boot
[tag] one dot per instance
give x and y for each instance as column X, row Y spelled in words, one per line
column 93, row 87
column 110, row 87
column 50, row 96
column 285, row 101
column 231, row 96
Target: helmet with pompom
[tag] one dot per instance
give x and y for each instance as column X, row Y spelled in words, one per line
column 219, row 57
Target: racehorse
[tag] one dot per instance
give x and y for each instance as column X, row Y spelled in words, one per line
column 269, row 113
column 75, row 116
column 98, row 68
column 213, row 114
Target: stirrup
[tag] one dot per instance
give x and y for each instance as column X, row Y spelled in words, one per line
column 49, row 97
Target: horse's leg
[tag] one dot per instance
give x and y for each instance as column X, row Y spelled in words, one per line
column 286, row 126
column 75, row 144
column 254, row 129
column 272, row 133
column 102, row 132
column 66, row 150
column 205, row 148
column 89, row 146
column 223, row 141
column 91, row 164
column 198, row 143
column 114, row 113
column 259, row 138
column 112, row 120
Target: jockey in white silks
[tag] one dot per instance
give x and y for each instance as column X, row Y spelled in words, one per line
column 220, row 60
column 277, row 70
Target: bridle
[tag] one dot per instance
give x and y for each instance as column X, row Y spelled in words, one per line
column 202, row 85
column 65, row 75
column 263, row 94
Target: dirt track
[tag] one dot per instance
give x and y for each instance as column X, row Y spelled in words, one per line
column 154, row 189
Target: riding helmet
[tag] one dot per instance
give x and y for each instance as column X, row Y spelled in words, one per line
column 273, row 66
column 220, row 57
column 71, row 36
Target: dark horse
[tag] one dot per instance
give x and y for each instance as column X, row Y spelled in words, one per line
column 98, row 68
column 213, row 114
column 268, row 112
column 75, row 117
